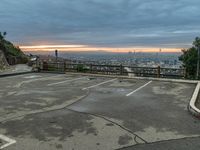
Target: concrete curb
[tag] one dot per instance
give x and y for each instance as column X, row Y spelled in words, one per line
column 52, row 72
column 14, row 74
column 191, row 107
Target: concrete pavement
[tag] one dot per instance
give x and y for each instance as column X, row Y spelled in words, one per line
column 49, row 111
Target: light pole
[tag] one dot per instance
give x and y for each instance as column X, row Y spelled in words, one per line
column 198, row 62
column 56, row 54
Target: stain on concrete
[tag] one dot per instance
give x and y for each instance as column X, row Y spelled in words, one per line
column 46, row 126
column 72, row 130
column 110, row 124
column 59, row 146
column 125, row 139
column 121, row 84
column 152, row 134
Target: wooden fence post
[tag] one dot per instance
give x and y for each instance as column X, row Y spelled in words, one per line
column 121, row 69
column 45, row 66
column 90, row 68
column 185, row 73
column 64, row 66
column 38, row 65
column 158, row 72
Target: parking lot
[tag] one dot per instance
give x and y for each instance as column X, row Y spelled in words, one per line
column 43, row 111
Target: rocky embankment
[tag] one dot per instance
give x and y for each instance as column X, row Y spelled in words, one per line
column 3, row 61
column 10, row 54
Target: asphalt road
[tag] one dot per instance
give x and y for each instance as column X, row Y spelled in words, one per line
column 74, row 112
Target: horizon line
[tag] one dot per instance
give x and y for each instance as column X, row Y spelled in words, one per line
column 82, row 48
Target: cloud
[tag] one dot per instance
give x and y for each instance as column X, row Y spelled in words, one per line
column 113, row 23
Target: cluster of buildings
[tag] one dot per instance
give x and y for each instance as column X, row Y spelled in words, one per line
column 165, row 60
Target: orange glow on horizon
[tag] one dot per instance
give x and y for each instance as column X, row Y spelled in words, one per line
column 51, row 46
column 88, row 48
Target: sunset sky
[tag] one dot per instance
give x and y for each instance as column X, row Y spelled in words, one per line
column 112, row 25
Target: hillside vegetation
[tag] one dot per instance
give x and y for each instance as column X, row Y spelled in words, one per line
column 13, row 54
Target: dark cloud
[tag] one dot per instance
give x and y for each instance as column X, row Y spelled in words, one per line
column 111, row 23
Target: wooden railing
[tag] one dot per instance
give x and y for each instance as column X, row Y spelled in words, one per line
column 114, row 70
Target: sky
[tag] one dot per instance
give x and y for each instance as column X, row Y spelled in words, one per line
column 114, row 25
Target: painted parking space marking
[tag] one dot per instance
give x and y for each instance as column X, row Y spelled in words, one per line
column 138, row 89
column 7, row 140
column 32, row 76
column 99, row 84
column 33, row 80
column 61, row 82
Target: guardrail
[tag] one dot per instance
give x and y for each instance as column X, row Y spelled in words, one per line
column 114, row 70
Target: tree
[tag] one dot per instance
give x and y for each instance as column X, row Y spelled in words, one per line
column 196, row 43
column 1, row 36
column 4, row 34
column 1, row 41
column 190, row 58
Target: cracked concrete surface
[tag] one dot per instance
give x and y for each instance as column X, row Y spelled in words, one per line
column 78, row 131
column 63, row 116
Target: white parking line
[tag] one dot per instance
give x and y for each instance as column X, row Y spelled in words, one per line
column 99, row 84
column 32, row 76
column 65, row 81
column 139, row 88
column 33, row 80
column 10, row 141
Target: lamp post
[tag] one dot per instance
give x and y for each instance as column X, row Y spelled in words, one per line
column 198, row 62
column 56, row 54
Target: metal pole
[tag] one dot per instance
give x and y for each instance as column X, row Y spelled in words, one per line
column 198, row 61
column 56, row 54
